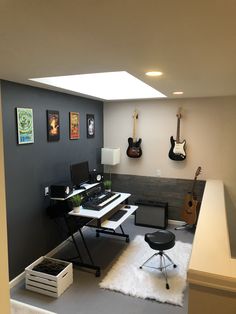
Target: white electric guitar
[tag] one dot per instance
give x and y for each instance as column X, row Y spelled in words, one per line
column 177, row 150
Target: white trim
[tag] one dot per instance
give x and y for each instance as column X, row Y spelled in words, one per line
column 17, row 279
column 176, row 222
column 21, row 276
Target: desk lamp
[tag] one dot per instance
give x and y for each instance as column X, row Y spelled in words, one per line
column 110, row 157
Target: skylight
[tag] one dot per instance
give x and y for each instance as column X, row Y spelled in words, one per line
column 107, row 86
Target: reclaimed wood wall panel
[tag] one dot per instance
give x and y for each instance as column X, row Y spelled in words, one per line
column 158, row 189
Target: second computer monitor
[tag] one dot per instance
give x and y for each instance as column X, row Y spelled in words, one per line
column 79, row 173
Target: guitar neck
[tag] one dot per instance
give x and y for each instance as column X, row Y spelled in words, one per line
column 195, row 179
column 193, row 187
column 134, row 130
column 178, row 131
column 134, row 127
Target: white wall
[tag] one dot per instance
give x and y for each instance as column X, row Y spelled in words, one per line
column 207, row 124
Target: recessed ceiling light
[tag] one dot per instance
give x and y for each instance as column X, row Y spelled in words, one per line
column 154, row 73
column 107, row 86
column 178, row 93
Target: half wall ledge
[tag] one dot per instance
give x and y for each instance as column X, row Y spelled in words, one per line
column 212, row 270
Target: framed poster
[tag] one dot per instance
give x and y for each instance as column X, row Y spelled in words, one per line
column 53, row 125
column 90, row 125
column 74, row 126
column 25, row 126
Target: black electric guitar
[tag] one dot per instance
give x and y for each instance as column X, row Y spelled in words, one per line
column 177, row 150
column 134, row 149
column 189, row 214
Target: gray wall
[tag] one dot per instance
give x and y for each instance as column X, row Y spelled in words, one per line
column 29, row 168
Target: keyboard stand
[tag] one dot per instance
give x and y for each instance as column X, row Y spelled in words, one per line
column 75, row 259
column 107, row 231
column 106, row 226
column 100, row 221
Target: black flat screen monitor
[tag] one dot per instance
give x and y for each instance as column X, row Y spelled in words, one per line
column 79, row 173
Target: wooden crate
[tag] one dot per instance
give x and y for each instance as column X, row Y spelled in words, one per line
column 48, row 284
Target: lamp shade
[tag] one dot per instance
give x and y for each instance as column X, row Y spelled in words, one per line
column 110, row 156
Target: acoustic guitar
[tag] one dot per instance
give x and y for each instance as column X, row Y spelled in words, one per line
column 134, row 149
column 189, row 214
column 177, row 150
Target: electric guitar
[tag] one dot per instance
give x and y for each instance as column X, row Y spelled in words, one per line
column 189, row 214
column 134, row 149
column 177, row 150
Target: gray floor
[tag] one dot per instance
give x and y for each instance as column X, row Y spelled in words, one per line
column 85, row 297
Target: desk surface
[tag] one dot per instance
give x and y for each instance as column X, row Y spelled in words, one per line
column 100, row 213
column 75, row 192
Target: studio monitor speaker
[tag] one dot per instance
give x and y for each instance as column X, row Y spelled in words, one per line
column 95, row 177
column 61, row 190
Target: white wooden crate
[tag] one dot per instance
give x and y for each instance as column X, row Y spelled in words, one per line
column 48, row 284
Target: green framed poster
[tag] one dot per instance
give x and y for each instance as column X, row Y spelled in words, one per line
column 25, row 125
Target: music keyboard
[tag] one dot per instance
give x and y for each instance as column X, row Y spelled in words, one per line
column 101, row 202
column 109, row 200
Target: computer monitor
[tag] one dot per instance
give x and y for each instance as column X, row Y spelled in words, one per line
column 79, row 173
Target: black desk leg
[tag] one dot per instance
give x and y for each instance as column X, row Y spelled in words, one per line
column 86, row 247
column 76, row 248
column 74, row 259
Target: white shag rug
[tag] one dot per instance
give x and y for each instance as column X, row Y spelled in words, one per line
column 147, row 283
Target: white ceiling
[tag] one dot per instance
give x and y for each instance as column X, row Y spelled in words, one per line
column 192, row 42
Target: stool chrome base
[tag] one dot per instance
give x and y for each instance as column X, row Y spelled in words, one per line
column 163, row 265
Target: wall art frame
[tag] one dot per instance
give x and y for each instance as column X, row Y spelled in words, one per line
column 90, row 123
column 25, row 125
column 53, row 125
column 74, row 119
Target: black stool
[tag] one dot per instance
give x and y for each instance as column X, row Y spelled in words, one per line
column 161, row 240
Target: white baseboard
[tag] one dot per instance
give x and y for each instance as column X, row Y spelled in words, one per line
column 16, row 280
column 176, row 222
column 21, row 276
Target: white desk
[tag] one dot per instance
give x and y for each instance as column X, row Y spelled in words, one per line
column 75, row 192
column 100, row 221
column 97, row 214
column 100, row 218
column 113, row 225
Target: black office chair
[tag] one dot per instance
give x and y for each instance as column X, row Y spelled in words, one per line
column 161, row 240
